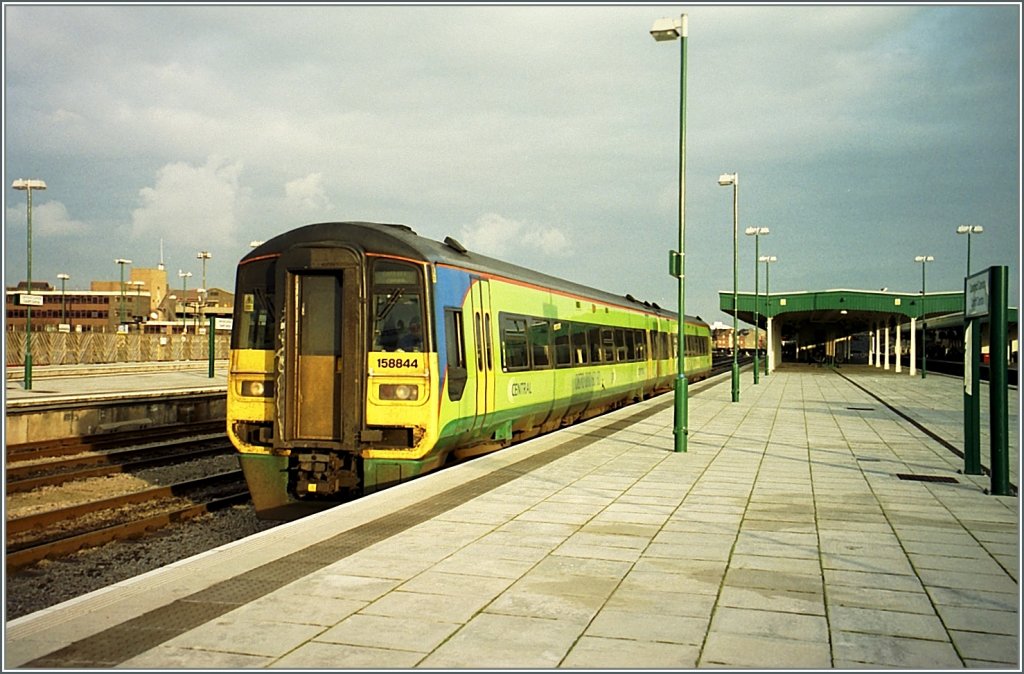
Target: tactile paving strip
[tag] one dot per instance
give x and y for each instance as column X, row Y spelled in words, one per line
column 117, row 644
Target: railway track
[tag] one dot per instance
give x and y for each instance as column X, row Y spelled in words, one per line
column 60, row 532
column 55, row 521
column 104, row 441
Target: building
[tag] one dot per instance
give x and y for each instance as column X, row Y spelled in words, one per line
column 79, row 310
column 147, row 298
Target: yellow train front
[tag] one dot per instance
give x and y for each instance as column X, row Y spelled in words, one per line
column 363, row 355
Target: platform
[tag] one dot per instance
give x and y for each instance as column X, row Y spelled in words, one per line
column 782, row 539
column 60, row 384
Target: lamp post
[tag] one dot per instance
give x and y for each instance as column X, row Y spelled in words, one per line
column 138, row 297
column 665, row 30
column 924, row 260
column 756, row 232
column 767, row 259
column 204, row 256
column 121, row 261
column 968, row 230
column 201, row 297
column 184, row 276
column 28, row 184
column 63, row 309
column 972, row 366
column 725, row 180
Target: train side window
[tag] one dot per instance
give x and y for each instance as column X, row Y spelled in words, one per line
column 456, row 351
column 641, row 344
column 621, row 352
column 479, row 344
column 608, row 345
column 488, row 342
column 540, row 343
column 563, row 344
column 594, row 340
column 580, row 350
column 630, row 337
column 515, row 353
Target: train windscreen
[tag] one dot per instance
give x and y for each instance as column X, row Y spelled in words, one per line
column 397, row 307
column 254, row 306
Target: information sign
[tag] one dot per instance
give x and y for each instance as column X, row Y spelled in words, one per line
column 30, row 300
column 222, row 323
column 976, row 295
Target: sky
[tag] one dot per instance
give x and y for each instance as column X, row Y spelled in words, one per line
column 544, row 135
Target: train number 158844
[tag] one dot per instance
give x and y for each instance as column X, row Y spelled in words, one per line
column 393, row 363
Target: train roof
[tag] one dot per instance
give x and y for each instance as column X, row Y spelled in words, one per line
column 402, row 241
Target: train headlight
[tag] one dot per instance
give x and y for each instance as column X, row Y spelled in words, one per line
column 399, row 392
column 257, row 388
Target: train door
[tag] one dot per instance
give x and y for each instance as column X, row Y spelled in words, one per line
column 483, row 356
column 321, row 357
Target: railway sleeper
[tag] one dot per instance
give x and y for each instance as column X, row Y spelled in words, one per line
column 324, row 474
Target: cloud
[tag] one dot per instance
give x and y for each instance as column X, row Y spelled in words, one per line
column 203, row 204
column 50, row 219
column 498, row 236
column 308, row 194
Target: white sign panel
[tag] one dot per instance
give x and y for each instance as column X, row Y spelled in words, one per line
column 976, row 295
column 222, row 323
column 30, row 300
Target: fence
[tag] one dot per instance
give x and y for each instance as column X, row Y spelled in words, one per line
column 86, row 348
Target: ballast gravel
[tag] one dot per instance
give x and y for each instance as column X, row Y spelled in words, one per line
column 52, row 582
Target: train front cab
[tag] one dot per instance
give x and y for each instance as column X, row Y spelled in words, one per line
column 341, row 403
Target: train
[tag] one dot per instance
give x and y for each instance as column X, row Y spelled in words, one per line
column 364, row 355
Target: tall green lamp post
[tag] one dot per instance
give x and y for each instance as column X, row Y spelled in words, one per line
column 184, row 276
column 757, row 233
column 63, row 304
column 122, row 262
column 924, row 260
column 725, row 180
column 666, row 30
column 27, row 185
column 767, row 259
column 972, row 362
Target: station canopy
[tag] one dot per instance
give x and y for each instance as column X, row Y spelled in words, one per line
column 811, row 317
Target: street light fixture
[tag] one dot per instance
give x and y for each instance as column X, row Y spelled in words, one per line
column 28, row 184
column 121, row 261
column 924, row 260
column 63, row 310
column 725, row 180
column 757, row 233
column 768, row 259
column 667, row 30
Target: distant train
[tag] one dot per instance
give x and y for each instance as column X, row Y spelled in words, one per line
column 363, row 355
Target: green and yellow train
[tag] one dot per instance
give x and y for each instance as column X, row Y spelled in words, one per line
column 363, row 355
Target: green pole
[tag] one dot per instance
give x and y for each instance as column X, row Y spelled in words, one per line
column 767, row 310
column 972, row 380
column 997, row 380
column 681, row 426
column 122, row 291
column 924, row 335
column 735, row 292
column 28, row 313
column 757, row 296
column 972, row 399
column 213, row 343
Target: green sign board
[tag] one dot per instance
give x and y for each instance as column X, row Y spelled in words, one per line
column 976, row 295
